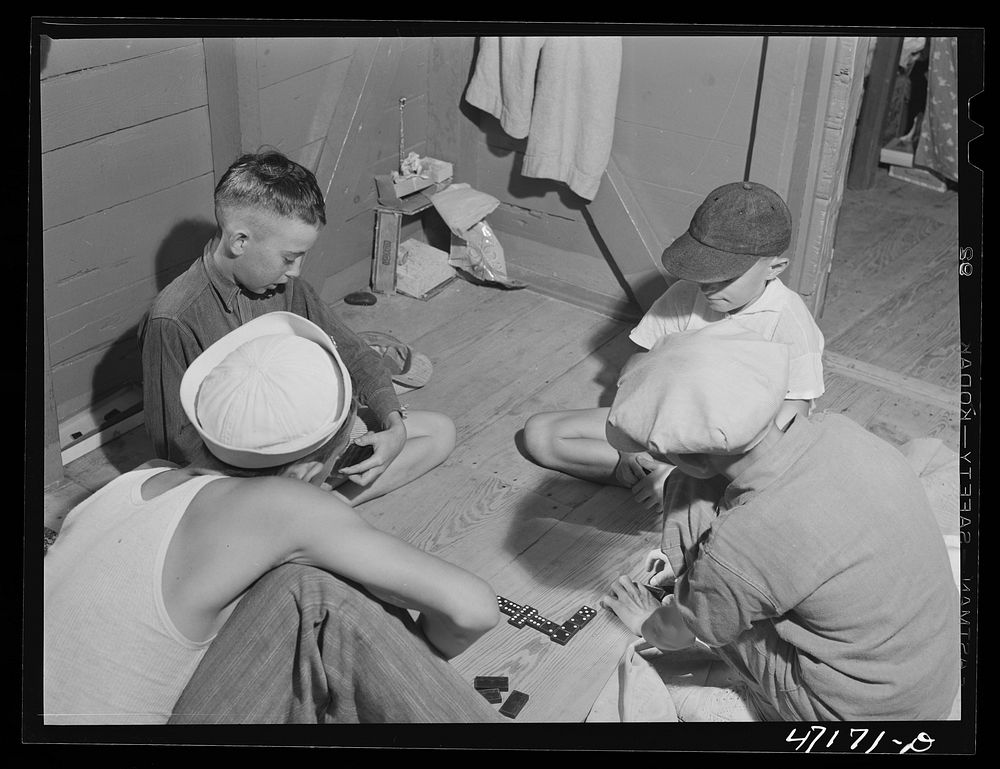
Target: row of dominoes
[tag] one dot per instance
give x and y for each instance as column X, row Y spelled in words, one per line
column 528, row 615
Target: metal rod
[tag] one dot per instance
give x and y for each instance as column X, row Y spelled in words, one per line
column 402, row 102
column 756, row 108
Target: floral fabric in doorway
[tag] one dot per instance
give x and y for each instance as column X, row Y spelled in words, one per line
column 937, row 148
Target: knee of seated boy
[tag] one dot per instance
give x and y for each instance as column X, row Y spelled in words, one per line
column 445, row 434
column 436, row 428
column 440, row 425
column 537, row 436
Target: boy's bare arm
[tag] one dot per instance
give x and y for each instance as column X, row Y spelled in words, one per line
column 254, row 525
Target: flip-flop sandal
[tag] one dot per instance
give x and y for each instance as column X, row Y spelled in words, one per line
column 405, row 365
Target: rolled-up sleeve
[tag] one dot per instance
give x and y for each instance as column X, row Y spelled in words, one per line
column 799, row 331
column 718, row 602
column 805, row 377
column 669, row 314
column 689, row 510
column 715, row 590
column 372, row 383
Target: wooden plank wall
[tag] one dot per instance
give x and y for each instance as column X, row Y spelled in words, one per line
column 299, row 81
column 128, row 170
column 407, row 78
column 359, row 139
column 126, row 198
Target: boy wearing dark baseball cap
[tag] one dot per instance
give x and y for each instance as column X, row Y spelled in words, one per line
column 727, row 265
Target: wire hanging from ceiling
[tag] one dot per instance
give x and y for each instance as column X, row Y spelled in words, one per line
column 756, row 107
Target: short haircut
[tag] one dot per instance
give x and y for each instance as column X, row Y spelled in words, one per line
column 268, row 181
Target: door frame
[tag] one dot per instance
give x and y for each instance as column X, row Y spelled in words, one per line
column 831, row 101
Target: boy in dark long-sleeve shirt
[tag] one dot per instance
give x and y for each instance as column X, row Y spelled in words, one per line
column 269, row 211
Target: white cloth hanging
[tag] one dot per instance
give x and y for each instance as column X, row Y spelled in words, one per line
column 559, row 92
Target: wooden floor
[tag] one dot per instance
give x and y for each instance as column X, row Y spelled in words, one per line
column 891, row 324
column 891, row 316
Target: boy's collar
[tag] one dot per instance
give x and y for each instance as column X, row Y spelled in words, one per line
column 224, row 285
column 735, row 466
column 770, row 300
column 765, row 466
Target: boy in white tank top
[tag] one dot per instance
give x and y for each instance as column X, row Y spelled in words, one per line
column 142, row 583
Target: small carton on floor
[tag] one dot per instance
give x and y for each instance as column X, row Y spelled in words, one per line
column 421, row 269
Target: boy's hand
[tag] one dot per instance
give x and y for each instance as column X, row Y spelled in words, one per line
column 661, row 624
column 628, row 471
column 387, row 445
column 648, row 491
column 631, row 602
column 658, row 568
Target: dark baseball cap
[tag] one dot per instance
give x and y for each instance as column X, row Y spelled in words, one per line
column 735, row 225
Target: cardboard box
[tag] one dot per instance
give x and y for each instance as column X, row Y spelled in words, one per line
column 422, row 269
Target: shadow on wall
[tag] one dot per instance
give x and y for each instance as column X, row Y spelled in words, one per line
column 183, row 245
column 121, row 366
column 500, row 144
column 520, row 187
column 44, row 44
column 528, row 192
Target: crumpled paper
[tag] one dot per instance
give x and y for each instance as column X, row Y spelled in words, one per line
column 478, row 251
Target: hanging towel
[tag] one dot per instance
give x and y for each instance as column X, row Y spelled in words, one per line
column 559, row 92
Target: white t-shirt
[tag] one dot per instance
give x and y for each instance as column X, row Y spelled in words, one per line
column 778, row 315
column 112, row 655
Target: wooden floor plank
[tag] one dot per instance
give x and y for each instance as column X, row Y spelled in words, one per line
column 571, row 565
column 886, row 379
column 910, row 335
column 866, row 274
column 485, row 368
column 873, row 243
column 895, row 194
column 407, row 318
column 60, row 499
column 94, row 469
column 496, row 449
column 889, row 415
